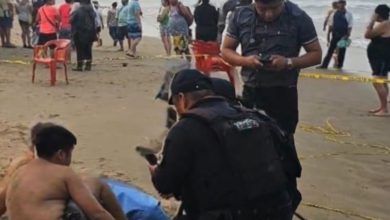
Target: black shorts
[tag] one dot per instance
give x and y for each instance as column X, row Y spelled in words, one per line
column 44, row 38
column 122, row 32
column 280, row 103
column 380, row 67
column 24, row 24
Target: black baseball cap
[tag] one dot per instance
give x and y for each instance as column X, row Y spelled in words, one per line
column 223, row 88
column 189, row 80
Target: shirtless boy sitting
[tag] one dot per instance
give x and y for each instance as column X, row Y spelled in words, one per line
column 41, row 188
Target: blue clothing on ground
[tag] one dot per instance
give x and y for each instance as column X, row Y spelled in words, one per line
column 136, row 204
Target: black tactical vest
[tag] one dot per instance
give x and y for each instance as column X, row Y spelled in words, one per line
column 248, row 149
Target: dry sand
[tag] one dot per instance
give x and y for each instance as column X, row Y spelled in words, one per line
column 112, row 109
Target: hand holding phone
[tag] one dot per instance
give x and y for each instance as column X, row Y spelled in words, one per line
column 148, row 154
column 265, row 58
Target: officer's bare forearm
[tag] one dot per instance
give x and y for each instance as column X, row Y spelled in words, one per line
column 232, row 57
column 312, row 57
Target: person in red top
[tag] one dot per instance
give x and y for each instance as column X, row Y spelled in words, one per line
column 65, row 26
column 48, row 20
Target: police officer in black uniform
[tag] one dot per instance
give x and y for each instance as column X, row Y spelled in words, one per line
column 211, row 159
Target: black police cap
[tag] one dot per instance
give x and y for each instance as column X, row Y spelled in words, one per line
column 189, row 80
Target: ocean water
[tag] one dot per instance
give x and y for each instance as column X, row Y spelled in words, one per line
column 317, row 9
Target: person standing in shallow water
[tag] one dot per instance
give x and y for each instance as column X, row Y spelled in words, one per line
column 84, row 33
column 378, row 53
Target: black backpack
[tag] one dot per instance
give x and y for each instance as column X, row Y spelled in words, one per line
column 252, row 146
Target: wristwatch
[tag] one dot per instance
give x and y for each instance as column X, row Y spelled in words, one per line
column 290, row 64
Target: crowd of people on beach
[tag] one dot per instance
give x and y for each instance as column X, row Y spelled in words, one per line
column 201, row 164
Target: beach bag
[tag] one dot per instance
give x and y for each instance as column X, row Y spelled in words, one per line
column 344, row 43
column 187, row 14
column 136, row 204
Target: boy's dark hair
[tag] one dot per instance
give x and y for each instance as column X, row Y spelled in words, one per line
column 114, row 5
column 50, row 139
column 36, row 128
column 68, row 1
column 383, row 11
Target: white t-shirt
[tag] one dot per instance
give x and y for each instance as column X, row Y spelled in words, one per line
column 98, row 17
column 349, row 17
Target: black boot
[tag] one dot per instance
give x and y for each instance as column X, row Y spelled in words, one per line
column 88, row 65
column 79, row 66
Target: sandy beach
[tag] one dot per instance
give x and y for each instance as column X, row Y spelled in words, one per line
column 344, row 151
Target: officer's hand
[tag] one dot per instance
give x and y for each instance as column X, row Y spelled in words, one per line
column 253, row 62
column 278, row 63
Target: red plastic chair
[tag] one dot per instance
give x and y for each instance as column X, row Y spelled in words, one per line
column 208, row 59
column 61, row 55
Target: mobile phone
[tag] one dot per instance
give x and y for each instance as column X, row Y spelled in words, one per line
column 265, row 59
column 148, row 154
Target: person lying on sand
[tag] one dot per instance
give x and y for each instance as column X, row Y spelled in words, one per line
column 42, row 187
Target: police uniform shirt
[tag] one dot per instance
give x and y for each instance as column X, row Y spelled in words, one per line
column 285, row 36
column 190, row 157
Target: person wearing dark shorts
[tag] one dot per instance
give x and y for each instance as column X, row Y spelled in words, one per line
column 378, row 52
column 48, row 20
column 122, row 30
column 134, row 26
column 122, row 33
column 44, row 38
column 6, row 14
column 24, row 11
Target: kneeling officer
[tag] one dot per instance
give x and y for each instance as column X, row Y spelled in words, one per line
column 220, row 159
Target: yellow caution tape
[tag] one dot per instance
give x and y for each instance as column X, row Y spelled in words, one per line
column 333, row 76
column 340, row 77
column 15, row 62
column 330, row 133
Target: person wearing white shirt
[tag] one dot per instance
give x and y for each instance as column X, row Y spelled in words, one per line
column 341, row 29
